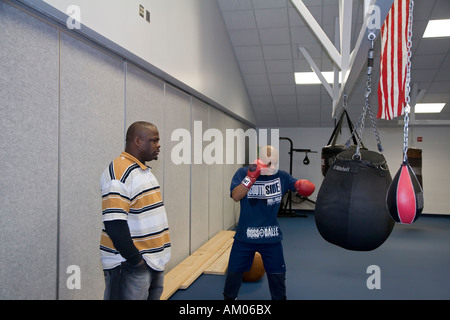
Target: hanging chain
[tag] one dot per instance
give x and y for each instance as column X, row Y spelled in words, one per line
column 362, row 119
column 408, row 83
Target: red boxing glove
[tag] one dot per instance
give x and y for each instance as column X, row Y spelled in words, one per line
column 253, row 172
column 305, row 188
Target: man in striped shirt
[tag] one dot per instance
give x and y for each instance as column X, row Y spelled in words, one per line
column 135, row 243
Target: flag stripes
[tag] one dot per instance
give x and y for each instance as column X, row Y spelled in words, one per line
column 394, row 59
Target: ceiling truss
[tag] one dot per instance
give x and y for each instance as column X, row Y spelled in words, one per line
column 350, row 63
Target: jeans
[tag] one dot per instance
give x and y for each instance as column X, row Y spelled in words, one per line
column 128, row 282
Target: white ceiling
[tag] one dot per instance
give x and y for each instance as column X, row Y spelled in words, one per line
column 265, row 35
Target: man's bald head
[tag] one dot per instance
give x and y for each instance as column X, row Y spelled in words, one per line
column 137, row 129
column 142, row 141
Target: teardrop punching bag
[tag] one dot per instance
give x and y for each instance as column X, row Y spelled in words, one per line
column 404, row 198
column 351, row 204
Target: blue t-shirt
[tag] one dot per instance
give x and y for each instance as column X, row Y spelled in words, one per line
column 259, row 208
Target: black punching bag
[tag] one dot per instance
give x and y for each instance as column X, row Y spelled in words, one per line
column 331, row 150
column 351, row 204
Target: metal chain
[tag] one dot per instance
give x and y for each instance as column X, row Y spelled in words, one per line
column 362, row 119
column 408, row 84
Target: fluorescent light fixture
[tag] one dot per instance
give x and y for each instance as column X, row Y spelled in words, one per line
column 429, row 107
column 312, row 78
column 437, row 28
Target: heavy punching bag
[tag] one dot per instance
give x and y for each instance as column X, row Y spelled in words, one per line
column 350, row 208
column 351, row 204
column 331, row 150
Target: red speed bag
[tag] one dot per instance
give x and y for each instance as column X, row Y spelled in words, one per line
column 404, row 199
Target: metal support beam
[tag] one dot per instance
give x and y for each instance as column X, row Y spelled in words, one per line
column 358, row 56
column 318, row 31
column 345, row 31
column 342, row 40
column 352, row 63
column 336, row 80
column 316, row 69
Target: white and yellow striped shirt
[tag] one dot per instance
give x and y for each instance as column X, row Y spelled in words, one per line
column 131, row 192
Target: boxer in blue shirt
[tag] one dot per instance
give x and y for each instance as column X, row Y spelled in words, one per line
column 259, row 188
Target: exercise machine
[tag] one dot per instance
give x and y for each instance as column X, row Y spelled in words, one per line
column 286, row 209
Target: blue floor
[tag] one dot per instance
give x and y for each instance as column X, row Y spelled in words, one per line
column 414, row 263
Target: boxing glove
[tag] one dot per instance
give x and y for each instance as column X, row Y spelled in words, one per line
column 304, row 187
column 253, row 172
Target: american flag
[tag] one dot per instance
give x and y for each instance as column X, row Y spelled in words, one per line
column 394, row 37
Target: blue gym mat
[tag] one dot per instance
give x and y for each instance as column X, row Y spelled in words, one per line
column 413, row 263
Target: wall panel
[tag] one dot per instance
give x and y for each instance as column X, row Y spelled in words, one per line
column 92, row 135
column 199, row 178
column 28, row 156
column 193, row 52
column 65, row 105
column 229, row 169
column 145, row 102
column 176, row 177
column 216, row 190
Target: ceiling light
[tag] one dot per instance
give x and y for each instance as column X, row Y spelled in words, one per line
column 429, row 107
column 437, row 28
column 312, row 78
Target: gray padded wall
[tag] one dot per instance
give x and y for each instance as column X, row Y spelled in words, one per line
column 199, row 181
column 229, row 206
column 65, row 105
column 145, row 102
column 177, row 115
column 28, row 156
column 216, row 120
column 91, row 135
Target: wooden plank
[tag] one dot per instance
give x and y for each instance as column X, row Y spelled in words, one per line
column 180, row 273
column 205, row 261
column 220, row 266
column 173, row 279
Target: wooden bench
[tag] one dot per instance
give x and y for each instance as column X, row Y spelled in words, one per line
column 210, row 258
